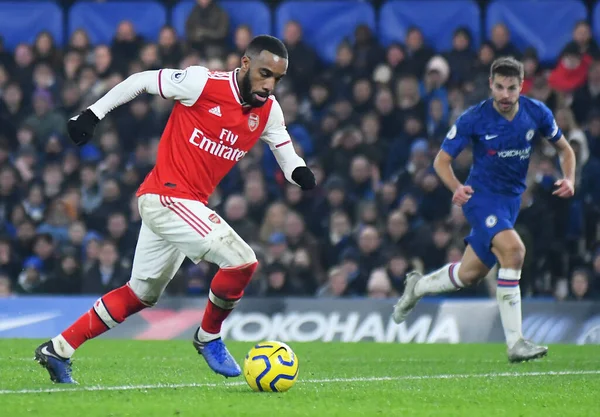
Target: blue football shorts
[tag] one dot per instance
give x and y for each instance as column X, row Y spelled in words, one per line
column 489, row 215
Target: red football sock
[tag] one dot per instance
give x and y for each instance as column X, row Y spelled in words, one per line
column 110, row 310
column 226, row 289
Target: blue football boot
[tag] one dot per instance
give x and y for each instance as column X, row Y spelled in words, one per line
column 217, row 357
column 58, row 367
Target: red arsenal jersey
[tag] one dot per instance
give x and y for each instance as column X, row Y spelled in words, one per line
column 207, row 133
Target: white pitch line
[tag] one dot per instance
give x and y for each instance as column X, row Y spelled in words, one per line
column 303, row 381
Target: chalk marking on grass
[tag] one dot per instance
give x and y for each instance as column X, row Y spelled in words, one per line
column 302, row 381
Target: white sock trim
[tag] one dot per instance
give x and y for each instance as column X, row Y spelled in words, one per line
column 453, row 273
column 205, row 336
column 62, row 347
column 219, row 302
column 509, row 273
column 104, row 315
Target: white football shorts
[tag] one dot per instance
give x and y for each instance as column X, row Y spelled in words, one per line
column 173, row 228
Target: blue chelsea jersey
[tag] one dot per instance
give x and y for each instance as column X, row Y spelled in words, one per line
column 501, row 148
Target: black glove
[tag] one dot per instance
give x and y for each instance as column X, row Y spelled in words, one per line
column 81, row 128
column 305, row 178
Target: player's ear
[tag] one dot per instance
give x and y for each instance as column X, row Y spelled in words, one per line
column 245, row 63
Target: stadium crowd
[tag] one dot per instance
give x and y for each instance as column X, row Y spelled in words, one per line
column 369, row 126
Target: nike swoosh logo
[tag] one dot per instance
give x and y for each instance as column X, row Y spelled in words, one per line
column 46, row 352
column 488, row 137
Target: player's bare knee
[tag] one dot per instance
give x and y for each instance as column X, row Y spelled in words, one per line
column 470, row 276
column 512, row 255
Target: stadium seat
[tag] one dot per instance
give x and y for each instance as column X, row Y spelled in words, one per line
column 255, row 14
column 22, row 21
column 545, row 25
column 100, row 20
column 325, row 23
column 436, row 18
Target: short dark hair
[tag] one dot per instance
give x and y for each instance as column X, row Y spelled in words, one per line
column 507, row 67
column 47, row 237
column 266, row 43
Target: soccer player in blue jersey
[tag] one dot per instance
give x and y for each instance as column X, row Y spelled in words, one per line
column 502, row 131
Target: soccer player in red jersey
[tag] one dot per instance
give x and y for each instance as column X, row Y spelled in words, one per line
column 217, row 118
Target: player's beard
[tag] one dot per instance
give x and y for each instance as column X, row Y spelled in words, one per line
column 506, row 106
column 248, row 95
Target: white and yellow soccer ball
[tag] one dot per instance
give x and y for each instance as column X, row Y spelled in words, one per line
column 271, row 366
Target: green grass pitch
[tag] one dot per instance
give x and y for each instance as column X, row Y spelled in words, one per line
column 167, row 378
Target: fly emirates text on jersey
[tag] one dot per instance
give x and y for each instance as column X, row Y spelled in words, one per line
column 223, row 148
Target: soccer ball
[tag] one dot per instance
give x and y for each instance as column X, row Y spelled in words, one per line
column 271, row 366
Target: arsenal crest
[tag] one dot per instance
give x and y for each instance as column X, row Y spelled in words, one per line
column 253, row 121
column 214, row 218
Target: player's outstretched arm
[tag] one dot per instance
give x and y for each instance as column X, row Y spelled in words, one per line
column 293, row 166
column 443, row 167
column 566, row 185
column 183, row 85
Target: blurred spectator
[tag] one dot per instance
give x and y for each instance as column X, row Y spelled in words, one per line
column 418, row 52
column 580, row 286
column 169, row 49
column 370, row 255
column 125, row 47
column 342, row 73
column 278, row 281
column 462, row 57
column 367, row 51
column 23, row 71
column 477, row 89
column 45, row 49
column 357, row 280
column 241, row 39
column 236, row 210
column 13, row 111
column 5, row 285
column 104, row 65
column 107, row 274
column 305, row 251
column 67, row 278
column 10, row 264
column 335, row 198
column 336, row 284
column 587, row 97
column 80, row 42
column 397, row 267
column 583, row 40
column 531, row 65
column 206, row 28
column 379, row 285
column 338, row 239
column 572, row 70
column 149, row 57
column 32, row 278
column 45, row 120
column 391, row 123
column 305, row 60
column 10, row 195
column 501, row 42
